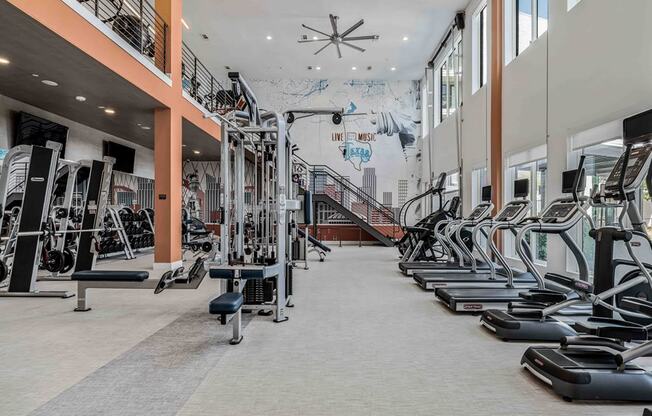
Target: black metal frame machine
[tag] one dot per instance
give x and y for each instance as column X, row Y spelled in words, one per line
column 455, row 234
column 601, row 366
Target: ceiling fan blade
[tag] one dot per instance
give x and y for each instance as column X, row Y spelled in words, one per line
column 313, row 40
column 339, row 52
column 315, row 30
column 352, row 28
column 324, row 47
column 357, row 48
column 370, row 37
column 333, row 24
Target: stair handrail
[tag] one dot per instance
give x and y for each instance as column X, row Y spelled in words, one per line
column 386, row 212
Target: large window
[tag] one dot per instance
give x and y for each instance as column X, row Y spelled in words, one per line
column 599, row 160
column 478, row 180
column 525, row 21
column 480, row 53
column 535, row 171
column 448, row 81
column 452, row 188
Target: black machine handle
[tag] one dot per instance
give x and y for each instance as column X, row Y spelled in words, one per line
column 623, row 171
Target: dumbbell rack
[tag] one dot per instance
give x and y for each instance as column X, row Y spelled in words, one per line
column 112, row 211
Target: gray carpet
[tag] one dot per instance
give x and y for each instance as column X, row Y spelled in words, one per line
column 362, row 340
column 156, row 377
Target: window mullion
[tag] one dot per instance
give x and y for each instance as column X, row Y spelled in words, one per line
column 535, row 20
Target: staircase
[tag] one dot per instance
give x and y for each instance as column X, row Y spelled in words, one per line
column 352, row 203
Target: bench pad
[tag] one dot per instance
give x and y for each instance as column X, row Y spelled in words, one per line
column 227, row 303
column 110, row 275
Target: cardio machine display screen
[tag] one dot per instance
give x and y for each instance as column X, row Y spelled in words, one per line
column 559, row 211
column 637, row 159
column 509, row 213
column 477, row 212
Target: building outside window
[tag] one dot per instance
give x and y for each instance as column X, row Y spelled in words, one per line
column 478, row 180
column 535, row 171
column 448, row 81
column 525, row 21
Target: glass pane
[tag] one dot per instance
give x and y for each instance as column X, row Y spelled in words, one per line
column 452, row 85
column 443, row 102
column 459, row 66
column 542, row 17
column 542, row 239
column 523, row 24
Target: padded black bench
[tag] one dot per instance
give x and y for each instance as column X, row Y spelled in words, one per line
column 229, row 303
column 110, row 276
column 108, row 279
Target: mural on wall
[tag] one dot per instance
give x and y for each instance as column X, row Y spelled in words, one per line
column 377, row 144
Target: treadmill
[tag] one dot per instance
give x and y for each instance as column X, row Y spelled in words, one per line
column 559, row 217
column 451, row 239
column 506, row 219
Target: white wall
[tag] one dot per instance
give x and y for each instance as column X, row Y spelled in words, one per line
column 83, row 142
column 597, row 61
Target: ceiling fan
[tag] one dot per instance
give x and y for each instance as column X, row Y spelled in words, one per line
column 337, row 38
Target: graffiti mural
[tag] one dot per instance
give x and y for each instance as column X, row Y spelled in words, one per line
column 377, row 144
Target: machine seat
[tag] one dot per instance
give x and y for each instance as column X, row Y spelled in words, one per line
column 226, row 304
column 110, row 275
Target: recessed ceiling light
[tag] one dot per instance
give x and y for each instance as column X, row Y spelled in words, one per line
column 269, row 37
column 80, row 98
column 318, row 68
column 101, row 107
column 405, row 38
column 184, row 145
column 196, row 152
column 35, row 75
column 50, row 83
column 109, row 111
column 4, row 61
column 393, row 68
column 315, row 38
column 354, row 68
column 183, row 22
column 145, row 127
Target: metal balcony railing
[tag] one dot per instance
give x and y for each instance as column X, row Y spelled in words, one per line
column 137, row 22
column 201, row 85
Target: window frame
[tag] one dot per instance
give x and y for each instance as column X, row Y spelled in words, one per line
column 510, row 176
column 512, row 25
column 448, row 75
column 480, row 47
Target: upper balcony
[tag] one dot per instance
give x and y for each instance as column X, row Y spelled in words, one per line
column 132, row 24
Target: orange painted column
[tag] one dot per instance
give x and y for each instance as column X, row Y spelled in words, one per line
column 168, row 148
column 496, row 99
column 168, row 197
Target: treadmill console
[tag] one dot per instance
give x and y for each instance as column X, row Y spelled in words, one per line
column 510, row 212
column 639, row 159
column 479, row 212
column 559, row 212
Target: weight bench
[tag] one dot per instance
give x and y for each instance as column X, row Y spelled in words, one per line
column 229, row 303
column 107, row 279
column 127, row 279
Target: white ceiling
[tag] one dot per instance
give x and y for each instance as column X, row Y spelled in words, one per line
column 237, row 31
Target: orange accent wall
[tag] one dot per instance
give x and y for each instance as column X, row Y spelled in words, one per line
column 58, row 17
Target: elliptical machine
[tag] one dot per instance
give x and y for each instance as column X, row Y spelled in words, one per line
column 600, row 366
